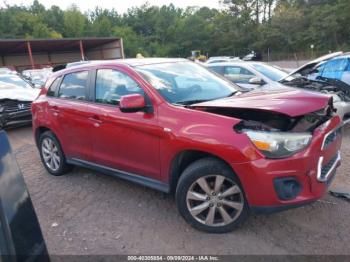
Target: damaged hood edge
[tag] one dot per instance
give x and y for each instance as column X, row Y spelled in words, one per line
column 19, row 94
column 292, row 102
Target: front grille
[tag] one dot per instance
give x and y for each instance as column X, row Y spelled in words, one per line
column 331, row 137
column 11, row 106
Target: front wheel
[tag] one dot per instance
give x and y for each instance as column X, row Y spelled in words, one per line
column 210, row 198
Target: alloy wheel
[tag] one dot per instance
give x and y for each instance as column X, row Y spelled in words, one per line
column 215, row 200
column 50, row 154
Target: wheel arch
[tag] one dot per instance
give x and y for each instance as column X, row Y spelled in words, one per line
column 183, row 159
column 38, row 132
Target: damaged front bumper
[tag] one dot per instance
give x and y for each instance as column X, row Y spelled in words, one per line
column 277, row 184
column 22, row 117
column 15, row 113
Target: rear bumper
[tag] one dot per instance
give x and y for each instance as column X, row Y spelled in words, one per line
column 313, row 170
column 21, row 117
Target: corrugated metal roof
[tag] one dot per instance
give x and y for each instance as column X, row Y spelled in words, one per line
column 12, row 46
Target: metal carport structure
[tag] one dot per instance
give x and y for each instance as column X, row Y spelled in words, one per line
column 37, row 53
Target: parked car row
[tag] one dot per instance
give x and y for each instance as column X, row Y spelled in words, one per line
column 257, row 75
column 171, row 124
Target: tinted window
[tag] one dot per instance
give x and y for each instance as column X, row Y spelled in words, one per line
column 270, row 72
column 74, row 86
column 348, row 66
column 54, row 87
column 238, row 74
column 336, row 65
column 111, row 85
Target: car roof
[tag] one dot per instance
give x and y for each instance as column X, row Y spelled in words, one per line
column 238, row 62
column 132, row 62
column 346, row 55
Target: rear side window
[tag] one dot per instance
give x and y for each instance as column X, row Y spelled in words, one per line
column 218, row 69
column 111, row 85
column 74, row 86
column 54, row 87
column 238, row 74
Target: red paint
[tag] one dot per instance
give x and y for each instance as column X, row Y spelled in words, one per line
column 289, row 101
column 132, row 101
column 147, row 143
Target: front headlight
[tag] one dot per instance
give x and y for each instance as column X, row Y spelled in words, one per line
column 1, row 108
column 279, row 144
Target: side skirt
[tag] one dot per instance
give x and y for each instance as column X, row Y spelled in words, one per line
column 141, row 180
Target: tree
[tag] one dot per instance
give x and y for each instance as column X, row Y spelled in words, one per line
column 74, row 22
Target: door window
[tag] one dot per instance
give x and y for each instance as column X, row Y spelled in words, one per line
column 238, row 74
column 111, row 85
column 335, row 68
column 74, row 86
column 53, row 87
column 218, row 69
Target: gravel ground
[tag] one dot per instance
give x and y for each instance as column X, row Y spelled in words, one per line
column 86, row 212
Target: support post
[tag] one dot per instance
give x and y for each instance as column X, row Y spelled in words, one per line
column 101, row 53
column 122, row 48
column 81, row 50
column 30, row 55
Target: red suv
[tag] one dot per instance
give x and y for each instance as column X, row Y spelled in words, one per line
column 174, row 126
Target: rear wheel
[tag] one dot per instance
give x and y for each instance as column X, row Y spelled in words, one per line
column 52, row 155
column 210, row 198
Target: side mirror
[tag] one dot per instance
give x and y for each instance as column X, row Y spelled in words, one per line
column 132, row 103
column 256, row 81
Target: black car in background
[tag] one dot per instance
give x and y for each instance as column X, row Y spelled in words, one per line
column 20, row 234
column 16, row 97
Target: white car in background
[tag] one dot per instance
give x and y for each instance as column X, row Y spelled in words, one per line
column 221, row 59
column 16, row 97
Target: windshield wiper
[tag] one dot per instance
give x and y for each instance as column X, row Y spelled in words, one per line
column 189, row 102
column 195, row 101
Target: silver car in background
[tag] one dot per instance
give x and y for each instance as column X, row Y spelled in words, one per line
column 253, row 75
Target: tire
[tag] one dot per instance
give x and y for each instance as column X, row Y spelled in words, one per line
column 203, row 208
column 58, row 166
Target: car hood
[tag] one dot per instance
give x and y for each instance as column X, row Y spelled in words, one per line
column 18, row 93
column 312, row 63
column 290, row 101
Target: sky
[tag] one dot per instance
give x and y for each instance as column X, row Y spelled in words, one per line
column 120, row 6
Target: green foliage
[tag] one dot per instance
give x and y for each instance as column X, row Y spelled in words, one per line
column 74, row 22
column 242, row 26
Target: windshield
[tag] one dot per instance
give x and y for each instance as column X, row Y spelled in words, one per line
column 14, row 81
column 186, row 82
column 270, row 72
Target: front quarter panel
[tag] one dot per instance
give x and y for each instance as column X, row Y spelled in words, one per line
column 189, row 129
